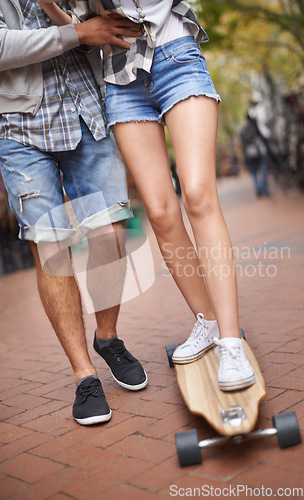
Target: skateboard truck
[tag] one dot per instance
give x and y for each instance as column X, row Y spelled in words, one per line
column 285, row 427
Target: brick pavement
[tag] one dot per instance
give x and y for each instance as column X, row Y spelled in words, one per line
column 45, row 454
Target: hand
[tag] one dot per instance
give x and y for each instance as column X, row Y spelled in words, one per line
column 104, row 30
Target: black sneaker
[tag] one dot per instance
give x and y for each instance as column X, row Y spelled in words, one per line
column 126, row 370
column 90, row 405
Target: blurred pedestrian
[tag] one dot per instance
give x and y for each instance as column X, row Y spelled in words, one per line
column 52, row 120
column 255, row 155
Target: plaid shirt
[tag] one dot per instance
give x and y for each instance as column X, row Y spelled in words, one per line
column 120, row 65
column 69, row 91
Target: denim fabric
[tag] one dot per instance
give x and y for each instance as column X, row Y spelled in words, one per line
column 178, row 72
column 93, row 177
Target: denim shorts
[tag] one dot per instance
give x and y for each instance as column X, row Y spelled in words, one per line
column 93, row 178
column 178, row 72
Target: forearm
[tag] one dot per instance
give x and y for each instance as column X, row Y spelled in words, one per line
column 20, row 48
column 57, row 16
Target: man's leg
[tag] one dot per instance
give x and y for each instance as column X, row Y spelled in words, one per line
column 106, row 271
column 61, row 301
column 106, row 276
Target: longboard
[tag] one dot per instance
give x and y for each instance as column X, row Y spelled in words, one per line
column 230, row 413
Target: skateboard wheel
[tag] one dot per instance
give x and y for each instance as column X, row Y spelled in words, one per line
column 170, row 350
column 288, row 432
column 188, row 450
column 242, row 333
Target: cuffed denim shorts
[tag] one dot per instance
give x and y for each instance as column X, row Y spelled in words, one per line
column 178, row 72
column 93, row 177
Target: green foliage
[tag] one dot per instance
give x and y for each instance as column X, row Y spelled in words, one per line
column 246, row 37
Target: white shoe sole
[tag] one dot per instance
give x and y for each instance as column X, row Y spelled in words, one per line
column 236, row 386
column 98, row 419
column 132, row 387
column 194, row 357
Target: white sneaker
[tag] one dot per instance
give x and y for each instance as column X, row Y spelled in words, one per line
column 200, row 340
column 235, row 371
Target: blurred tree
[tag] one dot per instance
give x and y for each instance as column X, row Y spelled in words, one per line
column 223, row 18
column 249, row 37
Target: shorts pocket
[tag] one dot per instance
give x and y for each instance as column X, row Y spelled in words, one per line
column 187, row 54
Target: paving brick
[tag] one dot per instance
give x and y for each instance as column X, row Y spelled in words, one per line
column 146, row 408
column 64, row 411
column 166, row 395
column 50, row 485
column 127, row 491
column 144, row 448
column 293, row 380
column 272, row 372
column 272, row 392
column 60, row 496
column 25, row 401
column 284, row 402
column 223, row 463
column 29, row 468
column 161, row 475
column 39, row 411
column 291, row 459
column 9, row 433
column 66, row 394
column 168, row 424
column 45, row 389
column 56, row 444
column 270, row 477
column 51, row 425
column 299, row 410
column 10, row 384
column 109, row 476
column 9, row 486
column 22, row 444
column 9, row 412
column 45, row 377
column 85, row 457
column 114, row 434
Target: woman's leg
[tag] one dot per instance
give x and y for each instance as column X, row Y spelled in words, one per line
column 192, row 125
column 143, row 147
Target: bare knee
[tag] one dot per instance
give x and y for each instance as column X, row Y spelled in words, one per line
column 52, row 258
column 164, row 216
column 200, row 201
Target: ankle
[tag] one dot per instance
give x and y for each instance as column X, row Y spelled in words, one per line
column 82, row 373
column 210, row 317
column 105, row 333
column 230, row 336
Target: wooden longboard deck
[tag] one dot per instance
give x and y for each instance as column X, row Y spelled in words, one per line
column 199, row 387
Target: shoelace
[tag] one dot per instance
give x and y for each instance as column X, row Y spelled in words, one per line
column 200, row 328
column 228, row 355
column 120, row 352
column 89, row 390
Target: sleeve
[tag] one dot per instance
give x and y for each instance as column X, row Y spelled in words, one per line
column 19, row 48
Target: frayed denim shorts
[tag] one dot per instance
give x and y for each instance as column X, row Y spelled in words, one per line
column 178, row 72
column 92, row 175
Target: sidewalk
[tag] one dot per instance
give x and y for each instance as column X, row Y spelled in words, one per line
column 45, row 454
